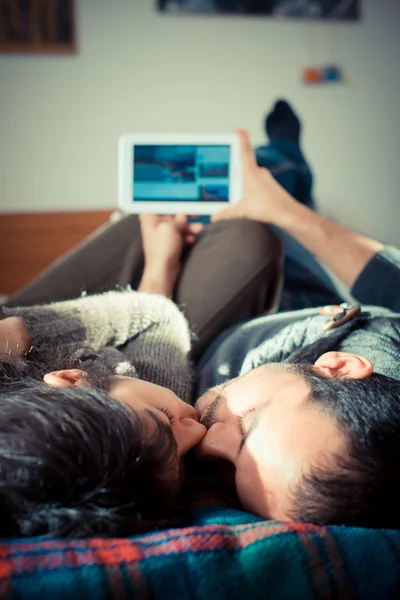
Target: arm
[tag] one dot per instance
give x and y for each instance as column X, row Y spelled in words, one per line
column 141, row 334
column 136, row 333
column 163, row 241
column 109, row 319
column 105, row 319
column 371, row 270
column 345, row 252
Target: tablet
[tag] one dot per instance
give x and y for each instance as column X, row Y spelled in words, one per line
column 196, row 174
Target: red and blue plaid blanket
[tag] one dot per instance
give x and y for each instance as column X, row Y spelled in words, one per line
column 232, row 556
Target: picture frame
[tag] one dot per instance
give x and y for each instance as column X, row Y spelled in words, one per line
column 37, row 26
column 316, row 10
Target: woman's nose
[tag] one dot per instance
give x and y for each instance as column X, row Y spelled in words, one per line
column 188, row 433
column 187, row 411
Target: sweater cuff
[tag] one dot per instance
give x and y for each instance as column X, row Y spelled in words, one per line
column 379, row 282
column 47, row 328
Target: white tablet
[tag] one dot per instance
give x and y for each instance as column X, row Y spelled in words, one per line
column 194, row 174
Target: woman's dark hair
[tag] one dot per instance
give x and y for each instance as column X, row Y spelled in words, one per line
column 76, row 463
column 362, row 489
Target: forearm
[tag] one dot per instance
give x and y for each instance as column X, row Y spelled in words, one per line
column 135, row 332
column 109, row 319
column 345, row 252
column 265, row 200
column 161, row 280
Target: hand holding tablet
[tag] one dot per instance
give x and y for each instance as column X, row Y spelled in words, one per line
column 178, row 174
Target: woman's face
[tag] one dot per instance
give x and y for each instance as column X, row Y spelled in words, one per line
column 143, row 397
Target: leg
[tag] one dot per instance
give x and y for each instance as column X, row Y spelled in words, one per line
column 110, row 257
column 233, row 273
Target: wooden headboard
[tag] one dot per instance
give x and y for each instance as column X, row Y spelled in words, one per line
column 29, row 242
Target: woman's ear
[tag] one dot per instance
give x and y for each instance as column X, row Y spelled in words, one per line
column 345, row 365
column 66, row 378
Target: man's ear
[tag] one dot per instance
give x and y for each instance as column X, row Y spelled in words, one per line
column 66, row 378
column 345, row 365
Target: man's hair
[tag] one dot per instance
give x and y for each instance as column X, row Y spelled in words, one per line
column 362, row 489
column 74, row 462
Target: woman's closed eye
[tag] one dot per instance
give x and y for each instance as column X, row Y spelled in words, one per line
column 169, row 414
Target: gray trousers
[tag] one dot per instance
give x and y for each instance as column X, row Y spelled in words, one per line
column 231, row 274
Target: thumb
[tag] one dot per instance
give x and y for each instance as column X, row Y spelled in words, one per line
column 195, row 228
column 247, row 154
column 231, row 212
column 180, row 222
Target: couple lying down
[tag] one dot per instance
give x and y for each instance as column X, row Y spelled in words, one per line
column 98, row 398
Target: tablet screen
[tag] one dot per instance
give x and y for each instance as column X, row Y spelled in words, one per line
column 181, row 173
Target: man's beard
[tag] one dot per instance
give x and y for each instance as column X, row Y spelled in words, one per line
column 208, row 404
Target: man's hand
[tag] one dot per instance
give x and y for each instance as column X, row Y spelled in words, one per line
column 345, row 252
column 14, row 337
column 164, row 238
column 263, row 199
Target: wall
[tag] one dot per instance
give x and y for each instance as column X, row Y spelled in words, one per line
column 60, row 117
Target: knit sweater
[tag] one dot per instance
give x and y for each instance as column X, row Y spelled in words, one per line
column 137, row 334
column 375, row 333
column 278, row 338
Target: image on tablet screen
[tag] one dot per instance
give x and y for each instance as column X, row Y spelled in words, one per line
column 181, row 173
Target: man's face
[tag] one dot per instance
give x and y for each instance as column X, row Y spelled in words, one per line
column 265, row 424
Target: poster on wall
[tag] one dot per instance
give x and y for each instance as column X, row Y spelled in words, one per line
column 345, row 10
column 45, row 26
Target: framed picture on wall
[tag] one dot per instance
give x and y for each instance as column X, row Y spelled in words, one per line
column 45, row 26
column 304, row 9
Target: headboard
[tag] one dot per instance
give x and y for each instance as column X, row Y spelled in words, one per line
column 29, row 242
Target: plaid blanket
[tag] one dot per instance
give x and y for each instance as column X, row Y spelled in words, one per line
column 228, row 555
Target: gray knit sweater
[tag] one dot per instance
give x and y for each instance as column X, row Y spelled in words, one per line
column 138, row 334
column 277, row 338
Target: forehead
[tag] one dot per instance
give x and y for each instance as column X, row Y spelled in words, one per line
column 284, row 395
column 295, row 432
column 272, row 381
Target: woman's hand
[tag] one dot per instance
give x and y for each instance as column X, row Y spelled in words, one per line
column 14, row 337
column 164, row 238
column 263, row 198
